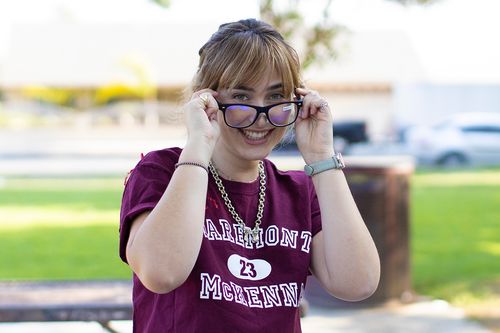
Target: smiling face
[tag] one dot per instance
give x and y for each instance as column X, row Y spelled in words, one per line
column 248, row 62
column 257, row 141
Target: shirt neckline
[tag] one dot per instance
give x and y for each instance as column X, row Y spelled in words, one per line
column 236, row 187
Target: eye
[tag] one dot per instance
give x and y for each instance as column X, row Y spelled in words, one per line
column 277, row 97
column 240, row 97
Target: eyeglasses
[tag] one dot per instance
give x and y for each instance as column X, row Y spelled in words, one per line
column 244, row 115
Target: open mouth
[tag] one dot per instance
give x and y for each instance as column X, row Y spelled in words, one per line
column 255, row 135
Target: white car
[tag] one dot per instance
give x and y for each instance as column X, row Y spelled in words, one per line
column 459, row 140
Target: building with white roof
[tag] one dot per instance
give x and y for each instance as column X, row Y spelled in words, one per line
column 379, row 77
column 86, row 56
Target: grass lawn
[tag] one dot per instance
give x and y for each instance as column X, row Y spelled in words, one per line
column 456, row 233
column 60, row 229
column 456, row 240
column 68, row 229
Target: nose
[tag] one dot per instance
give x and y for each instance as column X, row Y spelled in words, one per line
column 262, row 120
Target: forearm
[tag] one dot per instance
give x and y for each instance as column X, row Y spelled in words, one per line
column 349, row 254
column 166, row 245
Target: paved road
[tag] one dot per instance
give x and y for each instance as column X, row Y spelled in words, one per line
column 67, row 152
column 420, row 317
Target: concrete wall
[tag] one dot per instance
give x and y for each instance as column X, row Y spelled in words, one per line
column 375, row 107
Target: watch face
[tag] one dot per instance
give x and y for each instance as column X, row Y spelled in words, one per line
column 340, row 161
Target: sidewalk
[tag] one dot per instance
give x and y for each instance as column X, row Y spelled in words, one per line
column 69, row 152
column 421, row 317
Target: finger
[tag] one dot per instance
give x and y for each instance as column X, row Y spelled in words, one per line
column 304, row 110
column 309, row 97
column 208, row 102
column 323, row 106
column 301, row 91
column 197, row 94
column 212, row 113
column 318, row 105
column 212, row 110
column 205, row 100
column 303, row 113
column 304, row 92
column 205, row 95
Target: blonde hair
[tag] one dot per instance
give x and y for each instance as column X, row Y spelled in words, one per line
column 241, row 53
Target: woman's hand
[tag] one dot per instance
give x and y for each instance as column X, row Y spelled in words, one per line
column 200, row 117
column 313, row 129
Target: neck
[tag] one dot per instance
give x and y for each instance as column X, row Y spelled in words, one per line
column 236, row 169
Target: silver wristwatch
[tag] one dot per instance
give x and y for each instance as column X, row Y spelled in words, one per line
column 336, row 162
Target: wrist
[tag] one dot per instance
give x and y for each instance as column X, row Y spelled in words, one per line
column 196, row 152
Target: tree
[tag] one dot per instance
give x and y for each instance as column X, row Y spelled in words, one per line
column 162, row 3
column 319, row 39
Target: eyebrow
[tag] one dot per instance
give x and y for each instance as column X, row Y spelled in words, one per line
column 273, row 87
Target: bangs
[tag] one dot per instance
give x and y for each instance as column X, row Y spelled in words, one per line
column 252, row 58
column 243, row 53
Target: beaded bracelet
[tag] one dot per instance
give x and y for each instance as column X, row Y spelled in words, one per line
column 192, row 163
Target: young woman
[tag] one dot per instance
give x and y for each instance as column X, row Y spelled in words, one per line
column 218, row 238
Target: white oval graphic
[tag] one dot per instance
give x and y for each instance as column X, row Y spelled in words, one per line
column 247, row 269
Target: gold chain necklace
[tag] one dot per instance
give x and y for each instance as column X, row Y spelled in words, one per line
column 260, row 208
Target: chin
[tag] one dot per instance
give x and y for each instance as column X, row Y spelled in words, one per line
column 253, row 153
column 255, row 156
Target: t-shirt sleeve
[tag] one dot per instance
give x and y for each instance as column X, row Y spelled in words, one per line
column 315, row 211
column 145, row 186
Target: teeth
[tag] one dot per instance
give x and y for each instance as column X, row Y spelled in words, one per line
column 255, row 135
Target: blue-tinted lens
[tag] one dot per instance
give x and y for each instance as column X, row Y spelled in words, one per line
column 240, row 115
column 283, row 114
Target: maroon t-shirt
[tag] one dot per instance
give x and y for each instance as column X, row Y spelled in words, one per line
column 235, row 286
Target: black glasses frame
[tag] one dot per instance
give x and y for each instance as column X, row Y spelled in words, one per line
column 260, row 109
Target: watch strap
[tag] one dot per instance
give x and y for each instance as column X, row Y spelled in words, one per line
column 336, row 162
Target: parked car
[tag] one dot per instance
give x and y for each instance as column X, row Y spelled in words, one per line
column 345, row 133
column 459, row 140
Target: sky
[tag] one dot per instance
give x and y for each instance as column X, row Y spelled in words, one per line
column 454, row 39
